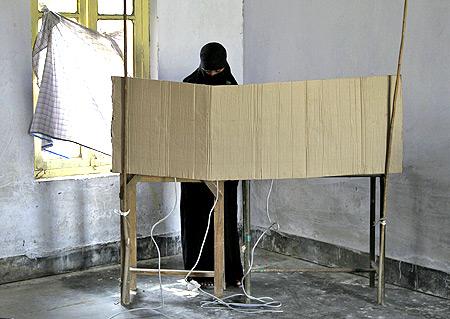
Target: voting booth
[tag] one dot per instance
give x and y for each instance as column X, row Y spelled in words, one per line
column 164, row 131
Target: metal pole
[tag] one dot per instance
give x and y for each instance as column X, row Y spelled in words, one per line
column 381, row 275
column 373, row 190
column 247, row 236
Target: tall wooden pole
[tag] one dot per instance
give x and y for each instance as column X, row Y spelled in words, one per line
column 381, row 274
column 124, row 227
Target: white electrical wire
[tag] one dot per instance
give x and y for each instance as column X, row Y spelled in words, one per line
column 156, row 245
column 261, row 304
column 155, row 309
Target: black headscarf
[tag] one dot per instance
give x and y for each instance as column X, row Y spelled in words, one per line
column 213, row 56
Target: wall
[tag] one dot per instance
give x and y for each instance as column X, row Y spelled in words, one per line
column 303, row 39
column 185, row 26
column 46, row 219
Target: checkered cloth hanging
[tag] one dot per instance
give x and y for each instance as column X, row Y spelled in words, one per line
column 74, row 66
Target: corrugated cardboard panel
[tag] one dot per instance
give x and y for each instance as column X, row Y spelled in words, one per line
column 186, row 130
column 269, row 129
column 315, row 126
column 282, row 127
column 167, row 128
column 261, row 131
column 232, row 132
column 115, row 125
column 334, row 148
column 346, row 138
column 374, row 95
column 258, row 131
column 298, row 125
column 181, row 129
column 202, row 133
column 397, row 138
column 290, row 150
column 329, row 108
column 148, row 121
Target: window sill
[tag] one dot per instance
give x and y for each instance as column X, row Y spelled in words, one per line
column 76, row 177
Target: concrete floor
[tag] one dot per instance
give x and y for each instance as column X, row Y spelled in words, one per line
column 95, row 294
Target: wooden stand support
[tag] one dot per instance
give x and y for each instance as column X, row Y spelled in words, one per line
column 373, row 269
column 373, row 195
column 219, row 246
column 130, row 271
column 124, row 262
column 132, row 222
column 128, row 242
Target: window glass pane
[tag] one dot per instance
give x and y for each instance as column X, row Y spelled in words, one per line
column 101, row 159
column 62, row 149
column 44, row 52
column 40, row 22
column 59, row 5
column 114, row 28
column 114, row 6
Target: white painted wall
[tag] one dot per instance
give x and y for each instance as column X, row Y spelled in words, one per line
column 304, row 39
column 185, row 26
column 42, row 218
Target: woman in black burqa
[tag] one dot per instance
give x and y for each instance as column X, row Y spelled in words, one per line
column 196, row 198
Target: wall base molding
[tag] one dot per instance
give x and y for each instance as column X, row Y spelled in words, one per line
column 22, row 267
column 399, row 273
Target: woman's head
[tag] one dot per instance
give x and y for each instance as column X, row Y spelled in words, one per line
column 213, row 58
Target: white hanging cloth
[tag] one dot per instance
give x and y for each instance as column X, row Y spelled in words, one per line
column 74, row 66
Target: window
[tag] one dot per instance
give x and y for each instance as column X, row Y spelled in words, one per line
column 104, row 16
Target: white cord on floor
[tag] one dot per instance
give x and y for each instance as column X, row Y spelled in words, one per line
column 261, row 304
column 155, row 309
column 156, row 245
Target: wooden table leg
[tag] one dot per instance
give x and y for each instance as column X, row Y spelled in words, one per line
column 131, row 193
column 125, row 253
column 124, row 262
column 219, row 246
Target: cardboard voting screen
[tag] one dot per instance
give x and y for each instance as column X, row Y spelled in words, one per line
column 257, row 131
